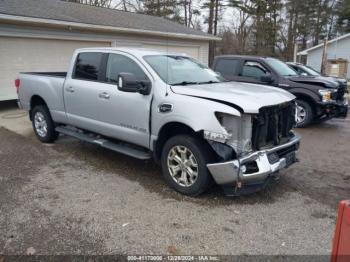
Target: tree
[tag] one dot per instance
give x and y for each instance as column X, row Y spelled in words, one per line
column 162, row 8
column 188, row 13
column 100, row 3
column 342, row 10
column 243, row 25
column 322, row 20
column 214, row 8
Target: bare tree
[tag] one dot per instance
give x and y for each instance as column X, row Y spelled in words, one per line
column 100, row 3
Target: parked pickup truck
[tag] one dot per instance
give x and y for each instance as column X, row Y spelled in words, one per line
column 149, row 104
column 305, row 70
column 317, row 98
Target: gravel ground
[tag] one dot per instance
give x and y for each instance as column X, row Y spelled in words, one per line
column 75, row 198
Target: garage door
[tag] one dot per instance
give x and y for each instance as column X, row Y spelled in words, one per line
column 191, row 51
column 27, row 54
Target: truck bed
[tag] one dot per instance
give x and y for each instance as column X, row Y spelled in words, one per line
column 46, row 85
column 50, row 74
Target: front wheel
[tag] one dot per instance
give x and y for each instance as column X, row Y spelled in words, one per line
column 305, row 114
column 184, row 164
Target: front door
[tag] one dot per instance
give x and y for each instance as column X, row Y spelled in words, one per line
column 81, row 91
column 124, row 115
column 253, row 72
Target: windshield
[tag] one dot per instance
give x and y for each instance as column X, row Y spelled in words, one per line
column 180, row 70
column 310, row 71
column 280, row 67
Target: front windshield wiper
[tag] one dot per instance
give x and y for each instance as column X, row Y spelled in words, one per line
column 208, row 82
column 185, row 83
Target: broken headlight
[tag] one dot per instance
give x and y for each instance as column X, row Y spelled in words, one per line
column 237, row 132
column 217, row 137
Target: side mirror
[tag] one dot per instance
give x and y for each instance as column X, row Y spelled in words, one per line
column 127, row 82
column 266, row 79
column 303, row 74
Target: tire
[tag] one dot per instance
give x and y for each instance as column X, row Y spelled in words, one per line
column 43, row 125
column 305, row 113
column 197, row 152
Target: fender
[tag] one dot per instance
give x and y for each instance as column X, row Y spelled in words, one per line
column 299, row 91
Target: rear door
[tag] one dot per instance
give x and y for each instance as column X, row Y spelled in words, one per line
column 81, row 90
column 228, row 67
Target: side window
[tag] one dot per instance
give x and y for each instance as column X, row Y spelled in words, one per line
column 87, row 66
column 254, row 70
column 121, row 64
column 298, row 70
column 226, row 67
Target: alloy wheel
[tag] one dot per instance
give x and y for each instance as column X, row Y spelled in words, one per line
column 40, row 124
column 182, row 166
column 301, row 114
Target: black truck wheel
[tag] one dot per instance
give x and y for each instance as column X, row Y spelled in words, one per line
column 184, row 164
column 305, row 115
column 43, row 124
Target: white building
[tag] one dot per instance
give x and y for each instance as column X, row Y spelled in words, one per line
column 338, row 48
column 41, row 35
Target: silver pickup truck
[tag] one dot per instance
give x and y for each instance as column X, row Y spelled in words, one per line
column 169, row 107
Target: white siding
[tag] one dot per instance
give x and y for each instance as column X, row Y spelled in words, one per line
column 117, row 39
column 34, row 55
column 335, row 50
column 28, row 48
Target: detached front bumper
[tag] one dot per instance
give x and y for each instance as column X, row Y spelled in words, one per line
column 257, row 167
column 337, row 109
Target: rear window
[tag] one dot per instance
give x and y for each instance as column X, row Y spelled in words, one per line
column 226, row 67
column 87, row 66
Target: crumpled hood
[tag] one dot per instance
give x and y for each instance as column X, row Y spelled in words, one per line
column 321, row 81
column 249, row 97
column 341, row 81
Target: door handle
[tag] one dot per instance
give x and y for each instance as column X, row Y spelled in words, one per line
column 104, row 95
column 70, row 89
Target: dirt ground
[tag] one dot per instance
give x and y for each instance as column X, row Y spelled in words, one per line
column 75, row 198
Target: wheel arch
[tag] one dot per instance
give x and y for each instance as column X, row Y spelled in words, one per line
column 167, row 131
column 309, row 100
column 305, row 94
column 35, row 100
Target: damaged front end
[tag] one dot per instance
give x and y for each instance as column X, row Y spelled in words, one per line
column 254, row 148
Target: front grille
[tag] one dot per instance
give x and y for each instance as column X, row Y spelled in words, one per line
column 272, row 125
column 341, row 92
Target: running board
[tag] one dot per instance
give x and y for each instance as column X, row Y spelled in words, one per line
column 122, row 148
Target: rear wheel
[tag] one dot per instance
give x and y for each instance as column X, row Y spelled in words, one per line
column 305, row 114
column 184, row 164
column 43, row 124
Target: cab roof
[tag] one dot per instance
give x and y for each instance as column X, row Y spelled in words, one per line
column 137, row 51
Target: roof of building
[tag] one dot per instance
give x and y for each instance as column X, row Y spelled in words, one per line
column 58, row 11
column 306, row 51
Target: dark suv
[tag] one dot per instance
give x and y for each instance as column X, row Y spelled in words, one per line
column 317, row 98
